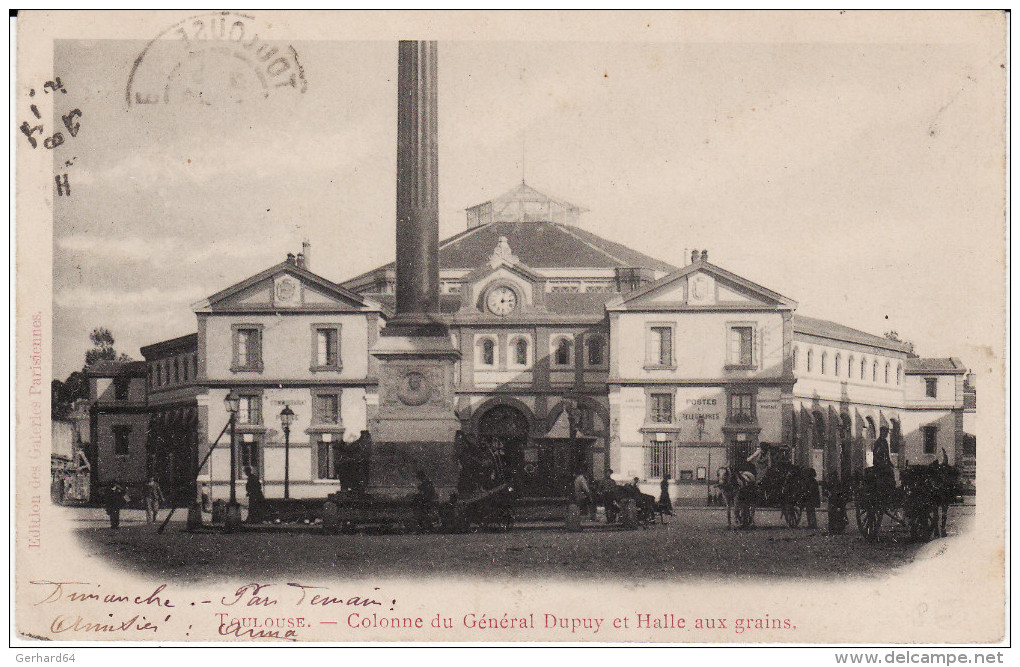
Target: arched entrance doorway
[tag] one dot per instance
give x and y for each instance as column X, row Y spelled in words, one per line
column 504, row 429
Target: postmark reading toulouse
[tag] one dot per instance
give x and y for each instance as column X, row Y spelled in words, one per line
column 211, row 59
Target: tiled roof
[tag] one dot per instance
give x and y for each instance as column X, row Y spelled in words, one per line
column 935, row 365
column 836, row 331
column 580, row 303
column 559, row 303
column 539, row 245
column 186, row 342
column 105, row 368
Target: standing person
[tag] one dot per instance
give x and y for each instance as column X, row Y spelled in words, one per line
column 814, row 497
column 583, row 496
column 114, row 499
column 154, row 499
column 881, row 459
column 256, row 499
column 665, row 503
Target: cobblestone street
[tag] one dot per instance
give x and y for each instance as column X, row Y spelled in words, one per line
column 693, row 544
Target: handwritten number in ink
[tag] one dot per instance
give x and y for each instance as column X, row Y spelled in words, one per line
column 54, row 141
column 63, row 186
column 29, row 131
column 70, row 123
column 54, row 85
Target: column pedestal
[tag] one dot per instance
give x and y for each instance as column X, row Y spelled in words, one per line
column 415, row 426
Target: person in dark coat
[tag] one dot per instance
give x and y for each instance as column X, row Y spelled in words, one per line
column 256, row 499
column 881, row 459
column 113, row 501
column 814, row 497
column 665, row 503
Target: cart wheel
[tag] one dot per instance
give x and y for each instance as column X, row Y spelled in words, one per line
column 792, row 514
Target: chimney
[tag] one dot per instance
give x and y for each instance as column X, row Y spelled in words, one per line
column 301, row 260
column 290, row 258
column 306, row 250
column 694, row 257
column 704, row 257
column 685, row 256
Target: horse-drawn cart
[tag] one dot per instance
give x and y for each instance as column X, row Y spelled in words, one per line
column 924, row 492
column 784, row 486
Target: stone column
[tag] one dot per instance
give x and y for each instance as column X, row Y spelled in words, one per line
column 417, row 191
column 415, row 423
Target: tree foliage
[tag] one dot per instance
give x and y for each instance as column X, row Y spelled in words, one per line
column 76, row 386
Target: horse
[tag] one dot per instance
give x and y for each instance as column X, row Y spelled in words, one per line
column 734, row 485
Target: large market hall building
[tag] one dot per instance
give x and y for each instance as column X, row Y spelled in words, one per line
column 576, row 352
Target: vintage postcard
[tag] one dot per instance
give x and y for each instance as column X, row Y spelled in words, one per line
column 680, row 328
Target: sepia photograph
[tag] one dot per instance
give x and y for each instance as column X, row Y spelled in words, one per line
column 507, row 327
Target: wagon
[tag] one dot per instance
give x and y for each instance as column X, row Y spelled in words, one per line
column 913, row 504
column 786, row 487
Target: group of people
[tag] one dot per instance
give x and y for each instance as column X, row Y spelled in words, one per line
column 588, row 499
column 116, row 497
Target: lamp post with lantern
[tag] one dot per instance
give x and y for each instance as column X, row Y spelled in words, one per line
column 232, row 403
column 286, row 419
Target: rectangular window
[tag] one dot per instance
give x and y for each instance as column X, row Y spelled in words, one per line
column 247, row 458
column 250, row 410
column 931, row 387
column 328, row 456
column 659, row 458
column 659, row 352
column 741, row 408
column 930, row 438
column 327, row 408
column 121, row 388
column 121, row 440
column 325, row 347
column 247, row 348
column 741, row 346
column 661, row 408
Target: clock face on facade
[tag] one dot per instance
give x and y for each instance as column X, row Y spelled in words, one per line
column 501, row 301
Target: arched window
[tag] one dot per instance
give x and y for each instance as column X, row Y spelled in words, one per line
column 596, row 351
column 564, row 352
column 836, row 366
column 520, row 351
column 874, row 371
column 822, row 368
column 899, row 373
column 887, row 372
column 850, row 367
column 864, row 362
column 177, row 370
column 810, row 354
column 487, row 352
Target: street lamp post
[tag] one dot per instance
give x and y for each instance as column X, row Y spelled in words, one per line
column 286, row 419
column 233, row 519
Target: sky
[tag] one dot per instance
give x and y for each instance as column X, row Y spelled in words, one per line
column 864, row 181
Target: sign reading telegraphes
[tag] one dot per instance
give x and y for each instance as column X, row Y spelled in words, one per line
column 701, row 413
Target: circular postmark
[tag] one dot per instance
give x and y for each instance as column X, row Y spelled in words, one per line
column 414, row 389
column 212, row 59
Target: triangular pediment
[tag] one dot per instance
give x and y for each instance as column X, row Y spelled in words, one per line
column 701, row 285
column 285, row 287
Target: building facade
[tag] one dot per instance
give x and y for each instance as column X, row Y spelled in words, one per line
column 576, row 353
